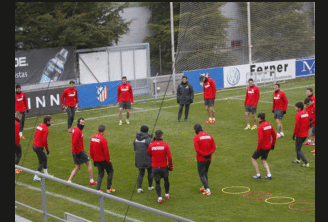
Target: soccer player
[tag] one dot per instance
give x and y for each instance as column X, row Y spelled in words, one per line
column 209, row 88
column 41, row 142
column 251, row 100
column 142, row 158
column 18, row 148
column 21, row 106
column 124, row 99
column 279, row 108
column 185, row 96
column 264, row 145
column 70, row 101
column 205, row 146
column 79, row 155
column 100, row 155
column 308, row 109
column 311, row 111
column 161, row 154
column 300, row 131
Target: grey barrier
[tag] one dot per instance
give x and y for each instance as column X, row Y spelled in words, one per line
column 89, row 190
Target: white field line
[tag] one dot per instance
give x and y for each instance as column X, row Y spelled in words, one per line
column 76, row 201
column 166, row 107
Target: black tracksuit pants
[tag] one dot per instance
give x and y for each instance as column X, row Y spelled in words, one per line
column 102, row 166
column 142, row 174
column 70, row 113
column 298, row 145
column 186, row 111
column 203, row 172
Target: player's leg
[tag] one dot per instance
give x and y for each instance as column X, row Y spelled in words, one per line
column 140, row 178
column 208, row 114
column 90, row 172
column 150, row 178
column 248, row 126
column 127, row 116
column 74, row 171
column 201, row 166
column 101, row 173
column 255, row 156
column 265, row 164
column 186, row 111
column 180, row 112
column 18, row 154
column 253, row 111
column 22, row 121
column 167, row 187
column 110, row 172
column 69, row 117
column 120, row 114
column 213, row 112
column 300, row 155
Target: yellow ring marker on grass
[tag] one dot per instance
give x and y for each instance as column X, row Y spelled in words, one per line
column 248, row 189
column 266, row 200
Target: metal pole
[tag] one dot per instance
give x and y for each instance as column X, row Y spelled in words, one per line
column 249, row 33
column 172, row 45
column 101, row 209
column 44, row 202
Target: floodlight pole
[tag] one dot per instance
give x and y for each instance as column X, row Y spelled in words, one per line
column 172, row 46
column 249, row 32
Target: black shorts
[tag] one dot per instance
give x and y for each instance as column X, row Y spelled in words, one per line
column 278, row 114
column 160, row 172
column 250, row 109
column 262, row 153
column 125, row 105
column 80, row 158
column 209, row 102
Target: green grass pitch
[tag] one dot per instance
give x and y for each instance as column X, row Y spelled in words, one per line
column 231, row 164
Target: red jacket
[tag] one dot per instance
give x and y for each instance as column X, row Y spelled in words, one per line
column 280, row 101
column 124, row 93
column 69, row 97
column 40, row 136
column 99, row 148
column 301, row 124
column 77, row 140
column 310, row 111
column 204, row 145
column 21, row 102
column 160, row 153
column 209, row 89
column 265, row 131
column 17, row 126
column 313, row 114
column 252, row 96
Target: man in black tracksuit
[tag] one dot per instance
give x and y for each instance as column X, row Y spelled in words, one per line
column 185, row 96
column 142, row 159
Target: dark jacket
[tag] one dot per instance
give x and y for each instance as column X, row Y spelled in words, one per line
column 185, row 93
column 141, row 143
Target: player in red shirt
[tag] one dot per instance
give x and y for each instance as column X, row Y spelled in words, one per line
column 265, row 144
column 22, row 106
column 18, row 148
column 209, row 88
column 124, row 99
column 308, row 109
column 79, row 155
column 100, row 155
column 251, row 100
column 205, row 146
column 70, row 102
column 41, row 142
column 279, row 108
column 311, row 111
column 301, row 131
column 161, row 154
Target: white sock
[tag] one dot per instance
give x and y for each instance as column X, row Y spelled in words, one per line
column 35, row 177
column 91, row 180
column 208, row 190
column 20, row 133
column 210, row 118
column 45, row 171
column 258, row 174
column 213, row 119
column 255, row 125
column 167, row 195
column 248, row 125
column 309, row 140
column 269, row 174
column 120, row 121
column 160, row 198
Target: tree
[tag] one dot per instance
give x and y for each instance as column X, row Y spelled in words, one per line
column 54, row 24
column 160, row 26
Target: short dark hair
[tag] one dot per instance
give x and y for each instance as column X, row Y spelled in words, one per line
column 261, row 115
column 18, row 86
column 251, row 80
column 158, row 134
column 101, row 128
column 277, row 84
column 307, row 100
column 124, row 77
column 197, row 126
column 144, row 129
column 184, row 77
column 78, row 121
column 201, row 77
column 72, row 81
column 46, row 119
column 300, row 105
column 310, row 89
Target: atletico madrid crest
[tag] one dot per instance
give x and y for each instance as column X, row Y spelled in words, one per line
column 102, row 93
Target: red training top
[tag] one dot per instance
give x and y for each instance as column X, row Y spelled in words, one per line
column 124, row 93
column 69, row 97
column 301, row 124
column 160, row 153
column 17, row 127
column 209, row 89
column 280, row 101
column 204, row 145
column 20, row 102
column 265, row 131
column 99, row 148
column 77, row 140
column 40, row 136
column 252, row 96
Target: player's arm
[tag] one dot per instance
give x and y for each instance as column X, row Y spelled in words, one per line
column 297, row 123
column 197, row 148
column 105, row 148
column 91, row 149
column 131, row 94
column 273, row 103
column 285, row 100
column 62, row 98
column 260, row 138
column 169, row 157
column 45, row 139
column 191, row 90
column 257, row 96
column 25, row 102
column 246, row 98
column 118, row 94
column 214, row 89
column 274, row 136
column 76, row 97
column 149, row 151
column 213, row 147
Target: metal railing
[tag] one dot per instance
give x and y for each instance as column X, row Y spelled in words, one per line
column 89, row 190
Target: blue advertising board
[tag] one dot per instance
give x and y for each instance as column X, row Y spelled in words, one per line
column 305, row 67
column 193, row 77
column 97, row 94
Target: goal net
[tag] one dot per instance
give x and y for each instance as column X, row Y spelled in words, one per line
column 264, row 79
